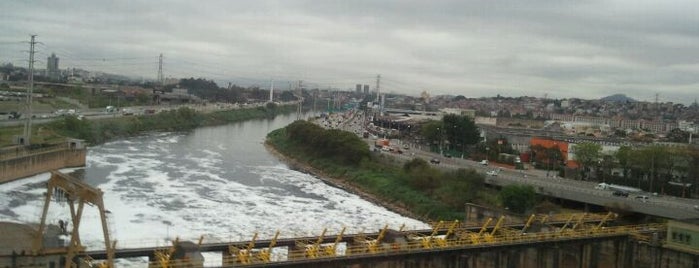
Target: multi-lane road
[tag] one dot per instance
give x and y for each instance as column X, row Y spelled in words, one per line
column 580, row 191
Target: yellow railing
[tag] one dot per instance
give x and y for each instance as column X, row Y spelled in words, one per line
column 465, row 240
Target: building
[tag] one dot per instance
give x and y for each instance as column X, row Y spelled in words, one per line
column 358, row 88
column 463, row 112
column 52, row 71
column 366, row 89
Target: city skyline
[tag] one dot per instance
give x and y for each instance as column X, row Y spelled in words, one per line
column 565, row 49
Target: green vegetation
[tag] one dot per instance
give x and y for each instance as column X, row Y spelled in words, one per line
column 587, row 154
column 456, row 131
column 518, row 198
column 98, row 131
column 415, row 185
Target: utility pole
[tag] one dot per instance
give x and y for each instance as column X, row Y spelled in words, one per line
column 30, row 90
column 160, row 70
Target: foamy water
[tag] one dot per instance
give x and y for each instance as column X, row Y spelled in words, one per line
column 217, row 182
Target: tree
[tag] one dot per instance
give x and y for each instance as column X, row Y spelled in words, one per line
column 678, row 135
column 460, row 131
column 432, row 131
column 623, row 155
column 459, row 187
column 421, row 176
column 518, row 198
column 587, row 154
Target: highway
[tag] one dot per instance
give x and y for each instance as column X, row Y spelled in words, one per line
column 580, row 191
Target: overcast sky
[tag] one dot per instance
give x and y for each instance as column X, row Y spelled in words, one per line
column 562, row 48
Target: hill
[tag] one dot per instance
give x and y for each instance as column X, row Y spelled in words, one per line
column 618, row 98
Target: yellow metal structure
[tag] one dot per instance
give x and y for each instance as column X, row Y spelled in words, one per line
column 476, row 238
column 163, row 257
column 570, row 219
column 442, row 241
column 331, row 250
column 426, row 241
column 489, row 237
column 528, row 223
column 265, row 254
column 312, row 250
column 74, row 191
column 604, row 220
column 243, row 255
column 370, row 245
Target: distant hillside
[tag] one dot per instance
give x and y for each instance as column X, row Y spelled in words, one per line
column 618, row 98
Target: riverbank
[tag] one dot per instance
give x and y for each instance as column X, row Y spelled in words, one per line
column 343, row 184
column 97, row 131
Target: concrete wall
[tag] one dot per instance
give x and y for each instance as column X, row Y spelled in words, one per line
column 12, row 168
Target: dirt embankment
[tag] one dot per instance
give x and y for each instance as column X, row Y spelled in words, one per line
column 342, row 184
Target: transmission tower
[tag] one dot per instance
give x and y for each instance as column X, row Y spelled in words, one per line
column 160, row 70
column 299, row 95
column 30, row 90
column 378, row 88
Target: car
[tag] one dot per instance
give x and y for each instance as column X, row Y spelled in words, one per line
column 620, row 194
column 642, row 198
column 484, row 162
column 492, row 173
column 434, row 161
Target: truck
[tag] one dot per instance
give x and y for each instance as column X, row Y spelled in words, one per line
column 617, row 188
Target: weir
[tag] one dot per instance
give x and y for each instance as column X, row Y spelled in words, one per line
column 571, row 240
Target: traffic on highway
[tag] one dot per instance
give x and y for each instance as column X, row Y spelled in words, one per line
column 550, row 185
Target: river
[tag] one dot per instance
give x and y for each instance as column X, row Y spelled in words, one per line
column 218, row 181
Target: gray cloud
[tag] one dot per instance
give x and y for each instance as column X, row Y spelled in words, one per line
column 476, row 48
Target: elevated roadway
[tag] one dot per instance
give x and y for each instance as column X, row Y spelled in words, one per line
column 574, row 190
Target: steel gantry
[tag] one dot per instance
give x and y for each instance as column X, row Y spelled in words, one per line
column 66, row 188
